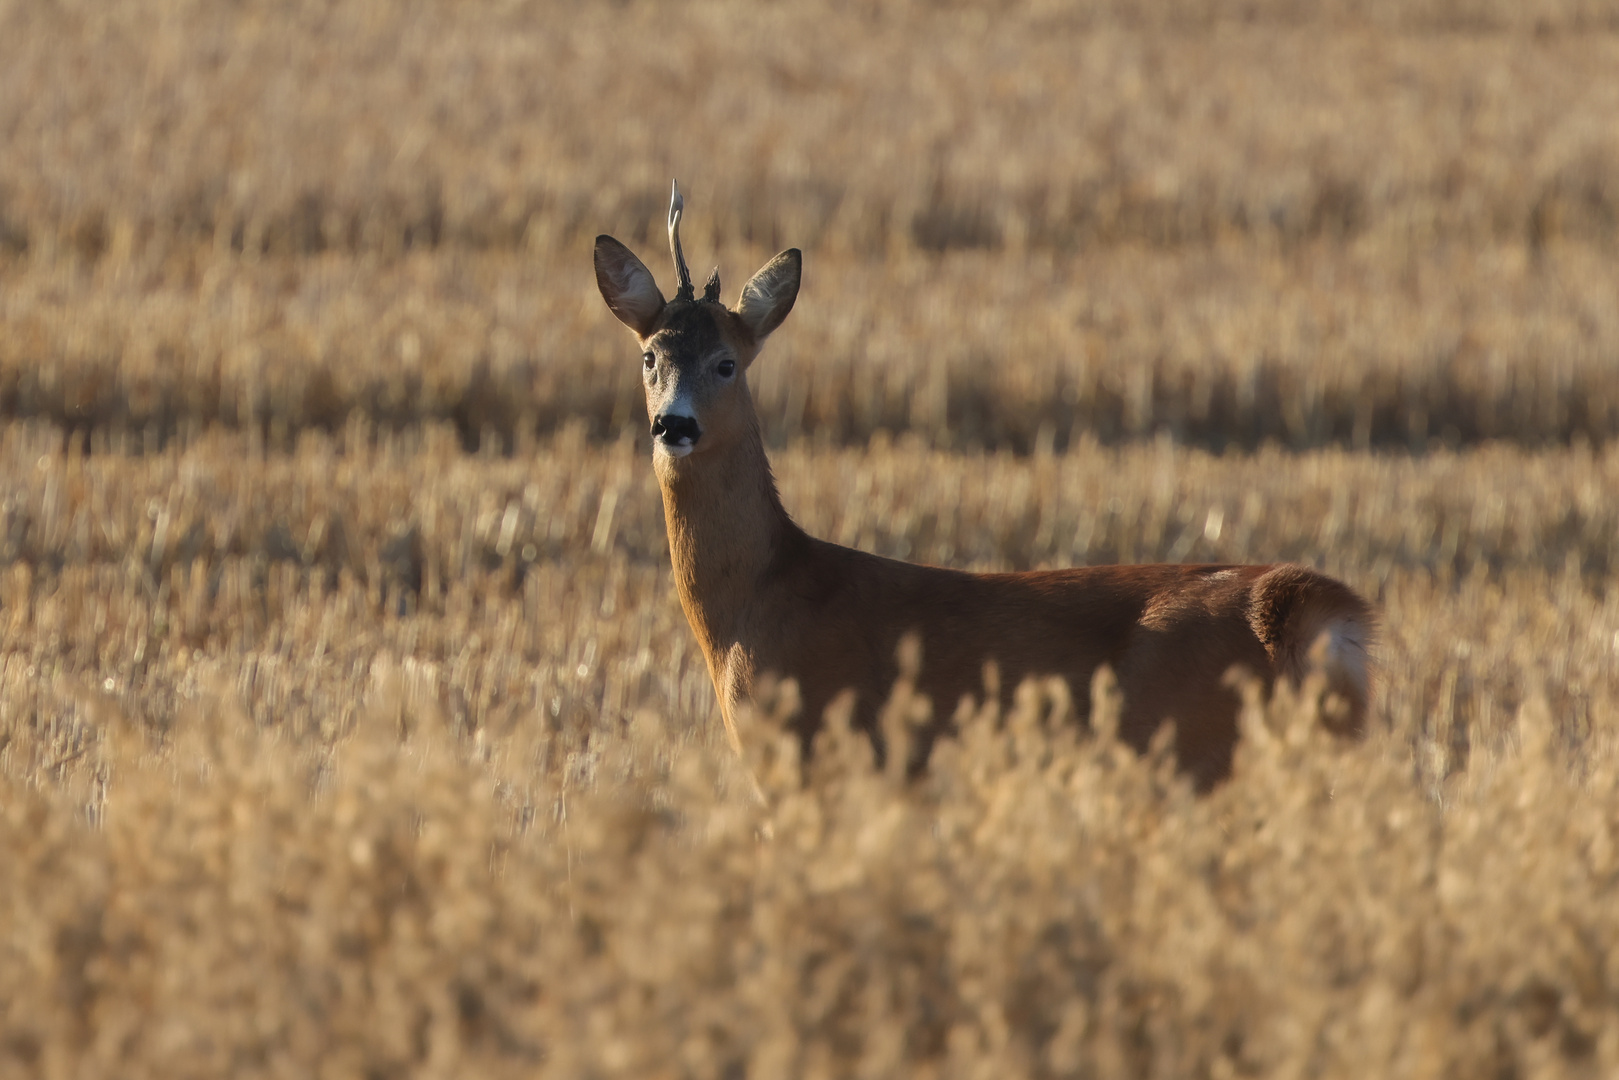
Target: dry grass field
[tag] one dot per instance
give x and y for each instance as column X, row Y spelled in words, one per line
column 349, row 724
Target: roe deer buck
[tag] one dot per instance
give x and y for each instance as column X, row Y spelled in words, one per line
column 766, row 599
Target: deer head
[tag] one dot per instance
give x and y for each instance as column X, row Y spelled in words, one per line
column 695, row 352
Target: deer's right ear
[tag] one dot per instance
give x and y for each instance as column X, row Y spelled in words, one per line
column 627, row 286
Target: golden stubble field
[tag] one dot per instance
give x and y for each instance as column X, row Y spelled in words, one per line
column 349, row 725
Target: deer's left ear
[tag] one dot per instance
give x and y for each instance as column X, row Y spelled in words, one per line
column 627, row 286
column 768, row 296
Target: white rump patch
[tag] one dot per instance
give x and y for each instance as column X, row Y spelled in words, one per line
column 1340, row 648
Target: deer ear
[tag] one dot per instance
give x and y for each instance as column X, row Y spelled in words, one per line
column 627, row 286
column 768, row 296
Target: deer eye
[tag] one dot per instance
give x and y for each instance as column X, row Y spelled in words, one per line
column 648, row 361
column 726, row 368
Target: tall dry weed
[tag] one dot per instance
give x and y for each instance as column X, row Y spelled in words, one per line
column 412, row 900
column 448, row 796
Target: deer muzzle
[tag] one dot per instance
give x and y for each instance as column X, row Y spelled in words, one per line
column 678, row 434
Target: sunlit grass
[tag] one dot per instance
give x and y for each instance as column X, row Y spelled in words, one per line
column 449, row 788
column 349, row 724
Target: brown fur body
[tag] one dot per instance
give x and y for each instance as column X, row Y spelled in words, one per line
column 764, row 598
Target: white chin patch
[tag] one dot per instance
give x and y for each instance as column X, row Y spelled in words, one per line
column 680, row 449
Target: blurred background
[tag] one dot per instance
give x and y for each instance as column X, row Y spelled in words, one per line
column 1357, row 224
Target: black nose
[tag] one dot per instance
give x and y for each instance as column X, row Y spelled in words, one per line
column 676, row 430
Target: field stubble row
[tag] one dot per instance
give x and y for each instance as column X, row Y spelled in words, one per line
column 264, row 129
column 380, row 757
column 1235, row 346
column 539, row 584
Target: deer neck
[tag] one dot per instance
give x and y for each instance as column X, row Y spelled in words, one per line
column 727, row 528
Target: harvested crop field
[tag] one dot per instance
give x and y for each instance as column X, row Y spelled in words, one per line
column 350, row 724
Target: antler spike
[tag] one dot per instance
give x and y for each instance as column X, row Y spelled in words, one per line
column 711, row 291
column 676, row 205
